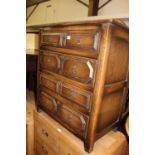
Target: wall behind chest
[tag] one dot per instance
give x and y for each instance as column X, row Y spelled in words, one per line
column 115, row 7
column 55, row 10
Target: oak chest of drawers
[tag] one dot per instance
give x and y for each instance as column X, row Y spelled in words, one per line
column 83, row 76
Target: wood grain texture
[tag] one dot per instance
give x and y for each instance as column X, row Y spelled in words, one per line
column 98, row 89
column 30, row 106
column 81, row 23
column 61, row 142
column 86, row 77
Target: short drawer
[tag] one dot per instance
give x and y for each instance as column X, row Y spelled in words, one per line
column 79, row 96
column 82, row 40
column 49, row 82
column 79, row 69
column 48, row 102
column 50, row 62
column 43, row 149
column 53, row 39
column 75, row 121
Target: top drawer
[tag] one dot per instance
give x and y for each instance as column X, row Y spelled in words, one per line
column 77, row 42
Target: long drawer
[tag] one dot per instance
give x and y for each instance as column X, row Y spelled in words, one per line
column 79, row 96
column 71, row 119
column 76, row 68
column 44, row 149
column 46, row 134
column 84, row 39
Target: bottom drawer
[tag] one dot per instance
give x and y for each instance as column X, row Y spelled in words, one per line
column 43, row 149
column 67, row 115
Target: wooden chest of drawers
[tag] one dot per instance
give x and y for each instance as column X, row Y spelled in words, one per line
column 83, row 76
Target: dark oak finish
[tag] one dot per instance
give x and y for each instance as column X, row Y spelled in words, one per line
column 51, row 39
column 79, row 69
column 81, row 97
column 49, row 82
column 83, row 76
column 82, row 39
column 74, row 120
column 50, row 62
column 48, row 102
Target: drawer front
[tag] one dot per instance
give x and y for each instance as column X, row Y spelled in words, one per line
column 64, row 113
column 82, row 39
column 47, row 134
column 43, row 149
column 50, row 62
column 48, row 102
column 76, row 121
column 70, row 146
column 79, row 96
column 49, row 82
column 53, row 39
column 80, row 69
column 82, row 97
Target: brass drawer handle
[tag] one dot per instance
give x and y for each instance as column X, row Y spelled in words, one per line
column 44, row 132
column 44, row 150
